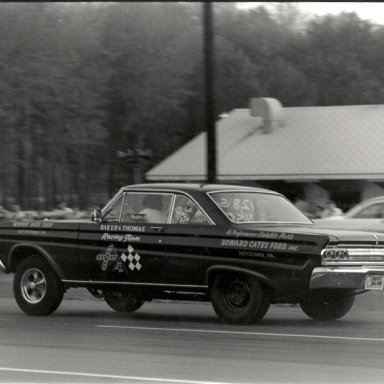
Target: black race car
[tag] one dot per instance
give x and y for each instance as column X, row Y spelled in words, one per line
column 241, row 248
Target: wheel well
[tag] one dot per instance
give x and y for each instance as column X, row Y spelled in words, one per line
column 264, row 281
column 21, row 253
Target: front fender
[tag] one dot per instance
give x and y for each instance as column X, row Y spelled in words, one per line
column 226, row 268
column 24, row 250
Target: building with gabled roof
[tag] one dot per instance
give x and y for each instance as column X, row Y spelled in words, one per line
column 326, row 152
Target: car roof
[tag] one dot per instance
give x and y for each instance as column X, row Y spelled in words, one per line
column 195, row 187
column 364, row 203
column 372, row 199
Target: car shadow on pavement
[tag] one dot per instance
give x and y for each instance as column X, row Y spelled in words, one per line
column 181, row 314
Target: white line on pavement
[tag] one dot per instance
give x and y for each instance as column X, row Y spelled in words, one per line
column 104, row 376
column 243, row 333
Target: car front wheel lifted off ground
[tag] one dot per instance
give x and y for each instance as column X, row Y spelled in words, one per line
column 37, row 288
column 327, row 305
column 237, row 298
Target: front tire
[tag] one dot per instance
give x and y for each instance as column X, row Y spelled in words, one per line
column 327, row 305
column 37, row 288
column 238, row 299
column 120, row 303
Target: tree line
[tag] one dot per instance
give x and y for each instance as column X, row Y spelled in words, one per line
column 82, row 83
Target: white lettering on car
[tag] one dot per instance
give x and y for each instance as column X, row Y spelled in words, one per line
column 119, row 237
column 260, row 235
column 259, row 244
column 31, row 232
column 122, row 228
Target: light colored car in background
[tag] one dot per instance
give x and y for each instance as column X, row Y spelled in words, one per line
column 367, row 215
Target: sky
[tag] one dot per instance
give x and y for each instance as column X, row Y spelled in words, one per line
column 372, row 11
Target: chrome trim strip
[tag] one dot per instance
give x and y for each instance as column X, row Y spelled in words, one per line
column 365, row 251
column 362, row 269
column 110, row 203
column 2, row 266
column 122, row 207
column 346, row 263
column 367, row 245
column 102, row 282
column 245, row 189
column 169, row 218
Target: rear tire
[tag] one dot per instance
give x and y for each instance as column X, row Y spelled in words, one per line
column 238, row 299
column 327, row 305
column 120, row 303
column 37, row 288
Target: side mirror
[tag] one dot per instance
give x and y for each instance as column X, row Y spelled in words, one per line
column 96, row 215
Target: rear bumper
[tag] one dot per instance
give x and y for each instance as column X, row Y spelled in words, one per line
column 342, row 277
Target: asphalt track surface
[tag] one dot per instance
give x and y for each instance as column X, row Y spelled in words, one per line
column 177, row 342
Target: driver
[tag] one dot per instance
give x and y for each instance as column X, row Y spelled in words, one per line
column 153, row 210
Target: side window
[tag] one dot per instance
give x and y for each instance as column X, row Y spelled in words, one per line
column 146, row 207
column 374, row 211
column 114, row 213
column 186, row 212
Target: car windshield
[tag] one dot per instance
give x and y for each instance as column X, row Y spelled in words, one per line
column 256, row 207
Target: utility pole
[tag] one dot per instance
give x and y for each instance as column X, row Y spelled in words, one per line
column 138, row 158
column 209, row 92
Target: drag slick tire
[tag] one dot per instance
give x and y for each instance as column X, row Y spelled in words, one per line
column 326, row 305
column 238, row 298
column 120, row 303
column 37, row 288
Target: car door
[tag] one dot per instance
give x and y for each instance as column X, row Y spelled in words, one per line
column 187, row 242
column 125, row 246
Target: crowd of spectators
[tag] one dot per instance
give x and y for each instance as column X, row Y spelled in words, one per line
column 62, row 212
column 316, row 211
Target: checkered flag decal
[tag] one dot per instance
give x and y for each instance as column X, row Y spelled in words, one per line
column 132, row 258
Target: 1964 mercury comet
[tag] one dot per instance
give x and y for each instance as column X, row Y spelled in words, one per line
column 241, row 248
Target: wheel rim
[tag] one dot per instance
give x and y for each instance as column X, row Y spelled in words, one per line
column 33, row 285
column 237, row 295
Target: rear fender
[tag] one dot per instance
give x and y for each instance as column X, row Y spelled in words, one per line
column 20, row 251
column 225, row 268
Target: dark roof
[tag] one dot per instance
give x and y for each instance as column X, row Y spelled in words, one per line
column 333, row 142
column 187, row 187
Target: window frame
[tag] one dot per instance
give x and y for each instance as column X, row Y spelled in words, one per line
column 149, row 193
column 206, row 217
column 109, row 206
column 254, row 192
